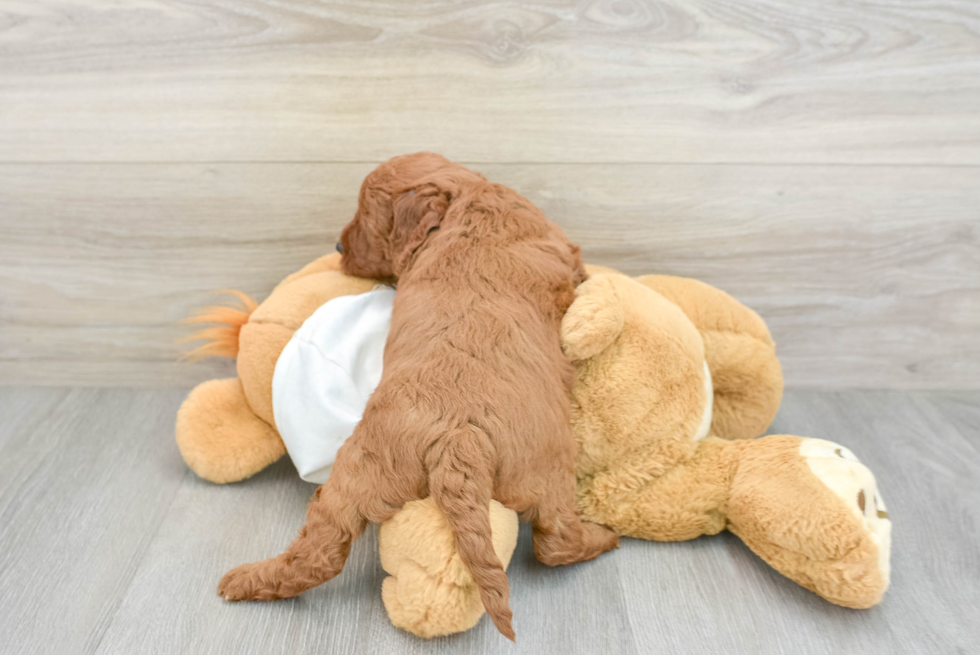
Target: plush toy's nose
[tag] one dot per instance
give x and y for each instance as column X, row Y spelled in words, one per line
column 340, row 248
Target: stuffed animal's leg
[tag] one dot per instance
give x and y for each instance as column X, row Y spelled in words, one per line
column 812, row 511
column 747, row 378
column 560, row 535
column 220, row 437
column 682, row 503
column 430, row 591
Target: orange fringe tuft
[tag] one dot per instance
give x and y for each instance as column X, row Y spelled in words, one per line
column 222, row 340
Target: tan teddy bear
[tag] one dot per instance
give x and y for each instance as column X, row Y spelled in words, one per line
column 669, row 372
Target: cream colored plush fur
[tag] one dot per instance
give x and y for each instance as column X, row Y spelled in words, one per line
column 657, row 358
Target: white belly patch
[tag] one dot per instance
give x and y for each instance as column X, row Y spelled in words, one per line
column 325, row 375
column 709, row 402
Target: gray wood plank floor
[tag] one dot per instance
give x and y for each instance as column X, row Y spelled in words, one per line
column 109, row 545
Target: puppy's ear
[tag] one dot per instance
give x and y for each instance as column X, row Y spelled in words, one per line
column 417, row 213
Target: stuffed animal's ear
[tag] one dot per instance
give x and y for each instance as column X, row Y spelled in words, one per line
column 417, row 213
column 594, row 320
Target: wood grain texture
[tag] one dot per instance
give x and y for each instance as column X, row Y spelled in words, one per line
column 545, row 81
column 868, row 276
column 959, row 409
column 110, row 546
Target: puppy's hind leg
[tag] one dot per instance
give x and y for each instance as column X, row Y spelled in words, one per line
column 333, row 521
column 560, row 535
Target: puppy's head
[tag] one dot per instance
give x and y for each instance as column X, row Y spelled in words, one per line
column 401, row 202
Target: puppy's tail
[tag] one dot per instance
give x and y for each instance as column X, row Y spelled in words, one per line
column 461, row 484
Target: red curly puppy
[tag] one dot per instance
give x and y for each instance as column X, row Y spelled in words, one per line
column 473, row 402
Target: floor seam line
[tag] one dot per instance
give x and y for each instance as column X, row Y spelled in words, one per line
column 138, row 564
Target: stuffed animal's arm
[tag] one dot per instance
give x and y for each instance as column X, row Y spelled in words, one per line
column 594, row 319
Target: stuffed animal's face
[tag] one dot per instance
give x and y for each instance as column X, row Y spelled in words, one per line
column 400, row 204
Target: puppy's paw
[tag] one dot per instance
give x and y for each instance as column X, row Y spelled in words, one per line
column 573, row 547
column 603, row 538
column 245, row 583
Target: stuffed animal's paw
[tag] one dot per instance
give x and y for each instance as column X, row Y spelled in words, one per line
column 594, row 320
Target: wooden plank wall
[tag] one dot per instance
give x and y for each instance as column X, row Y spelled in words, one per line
column 821, row 162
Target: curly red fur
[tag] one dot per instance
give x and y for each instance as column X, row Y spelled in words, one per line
column 473, row 402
